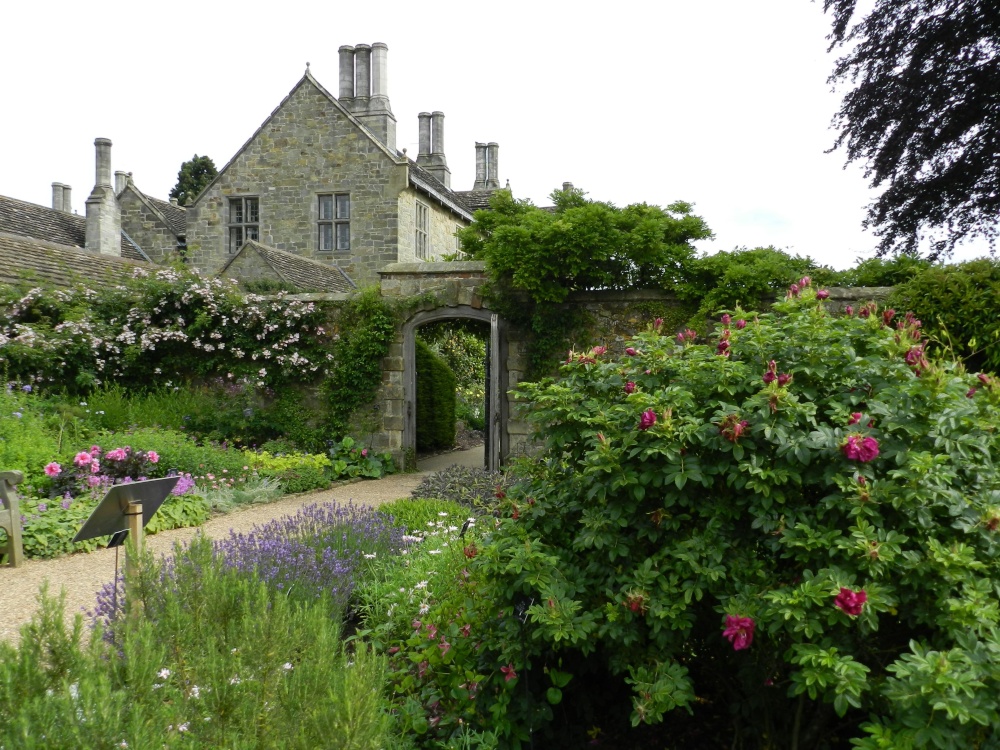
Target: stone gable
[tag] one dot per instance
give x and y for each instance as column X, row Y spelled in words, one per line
column 308, row 147
column 147, row 227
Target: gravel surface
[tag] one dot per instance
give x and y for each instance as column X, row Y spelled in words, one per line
column 82, row 575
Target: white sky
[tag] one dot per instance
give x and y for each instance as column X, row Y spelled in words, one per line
column 722, row 103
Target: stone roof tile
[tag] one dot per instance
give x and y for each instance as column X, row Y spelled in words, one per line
column 306, row 274
column 29, row 259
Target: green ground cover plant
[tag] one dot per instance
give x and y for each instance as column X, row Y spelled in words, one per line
column 786, row 536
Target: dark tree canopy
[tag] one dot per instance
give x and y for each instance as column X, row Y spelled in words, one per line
column 192, row 178
column 924, row 115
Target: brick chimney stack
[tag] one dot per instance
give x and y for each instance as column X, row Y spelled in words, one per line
column 104, row 219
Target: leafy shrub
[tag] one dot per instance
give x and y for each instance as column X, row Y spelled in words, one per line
column 352, row 460
column 180, row 452
column 746, row 278
column 796, row 523
column 298, row 472
column 882, row 271
column 26, row 444
column 435, row 400
column 477, row 489
column 228, row 497
column 957, row 306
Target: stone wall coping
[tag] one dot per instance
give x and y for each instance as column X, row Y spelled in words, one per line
column 312, row 297
column 435, row 267
column 621, row 295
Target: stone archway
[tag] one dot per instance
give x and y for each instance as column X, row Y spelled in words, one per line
column 496, row 386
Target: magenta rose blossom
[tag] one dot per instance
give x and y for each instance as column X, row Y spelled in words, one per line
column 784, row 379
column 739, row 631
column 851, row 602
column 858, row 448
column 630, row 387
column 726, row 319
column 741, row 324
column 647, row 420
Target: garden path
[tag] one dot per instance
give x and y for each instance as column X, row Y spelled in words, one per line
column 82, row 575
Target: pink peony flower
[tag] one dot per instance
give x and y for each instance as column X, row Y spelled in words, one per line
column 822, row 294
column 793, row 291
column 95, row 467
column 726, row 319
column 630, row 387
column 851, row 602
column 855, row 418
column 657, row 323
column 848, row 311
column 862, row 449
column 680, row 338
column 95, row 450
column 769, row 377
column 53, row 469
column 739, row 631
column 888, row 315
column 597, row 351
column 741, row 324
column 153, row 457
column 630, row 351
column 805, row 281
column 784, row 379
column 647, row 420
column 364, row 453
column 970, row 393
column 82, row 458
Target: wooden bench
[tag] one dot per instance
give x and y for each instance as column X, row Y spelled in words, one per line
column 10, row 518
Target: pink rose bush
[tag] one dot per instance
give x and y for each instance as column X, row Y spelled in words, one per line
column 744, row 490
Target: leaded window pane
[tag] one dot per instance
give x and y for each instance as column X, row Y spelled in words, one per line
column 343, row 207
column 326, row 207
column 253, row 214
column 343, row 236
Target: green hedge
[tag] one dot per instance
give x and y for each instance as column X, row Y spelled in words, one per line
column 435, row 400
column 957, row 305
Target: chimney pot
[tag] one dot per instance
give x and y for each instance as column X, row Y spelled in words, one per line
column 362, row 72
column 121, row 182
column 424, row 146
column 173, row 202
column 567, row 186
column 437, row 134
column 380, row 78
column 57, row 196
column 103, row 148
column 67, row 200
column 346, row 73
column 492, row 170
column 480, row 183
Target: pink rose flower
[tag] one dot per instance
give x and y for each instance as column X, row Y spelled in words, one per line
column 862, row 449
column 739, row 631
column 53, row 469
column 647, row 420
column 851, row 602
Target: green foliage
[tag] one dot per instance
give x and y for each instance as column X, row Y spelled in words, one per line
column 222, row 663
column 582, row 244
column 193, row 177
column 535, row 258
column 26, row 441
column 463, row 345
column 179, row 451
column 882, row 272
column 364, row 330
column 744, row 278
column 957, row 306
column 296, row 472
column 690, row 489
column 479, row 490
column 435, row 400
column 353, row 460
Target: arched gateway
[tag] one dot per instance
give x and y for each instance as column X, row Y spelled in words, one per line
column 456, row 296
column 496, row 390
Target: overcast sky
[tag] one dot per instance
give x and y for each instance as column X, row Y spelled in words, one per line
column 722, row 103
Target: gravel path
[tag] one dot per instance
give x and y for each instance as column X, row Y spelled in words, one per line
column 82, row 575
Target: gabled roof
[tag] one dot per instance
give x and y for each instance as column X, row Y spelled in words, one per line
column 424, row 181
column 306, row 78
column 173, row 217
column 476, row 200
column 49, row 225
column 308, row 275
column 24, row 258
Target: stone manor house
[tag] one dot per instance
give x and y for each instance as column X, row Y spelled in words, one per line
column 319, row 197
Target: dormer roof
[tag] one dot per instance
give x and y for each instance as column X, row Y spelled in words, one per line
column 305, row 274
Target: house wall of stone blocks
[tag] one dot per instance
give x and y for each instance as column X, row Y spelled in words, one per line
column 443, row 226
column 286, row 166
